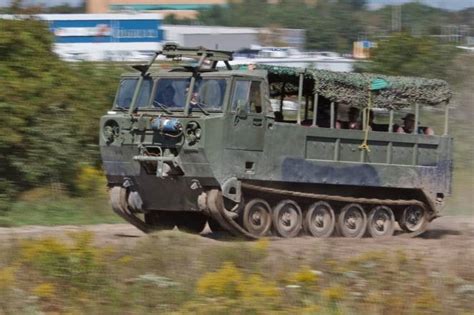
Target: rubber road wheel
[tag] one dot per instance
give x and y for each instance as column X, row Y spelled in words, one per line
column 352, row 221
column 413, row 219
column 381, row 222
column 287, row 218
column 256, row 217
column 320, row 220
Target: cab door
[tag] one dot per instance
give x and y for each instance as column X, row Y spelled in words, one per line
column 247, row 130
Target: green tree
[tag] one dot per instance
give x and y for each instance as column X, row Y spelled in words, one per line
column 329, row 25
column 403, row 54
column 49, row 109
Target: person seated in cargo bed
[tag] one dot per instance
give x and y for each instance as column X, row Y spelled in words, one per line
column 379, row 127
column 353, row 123
column 409, row 126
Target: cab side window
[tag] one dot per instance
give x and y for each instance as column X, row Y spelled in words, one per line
column 247, row 93
column 255, row 97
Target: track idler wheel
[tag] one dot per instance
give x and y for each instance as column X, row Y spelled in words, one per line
column 352, row 221
column 320, row 220
column 414, row 219
column 287, row 218
column 381, row 222
column 256, row 218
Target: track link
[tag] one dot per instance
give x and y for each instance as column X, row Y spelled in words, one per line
column 221, row 215
column 118, row 200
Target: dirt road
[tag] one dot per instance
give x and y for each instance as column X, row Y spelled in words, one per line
column 448, row 240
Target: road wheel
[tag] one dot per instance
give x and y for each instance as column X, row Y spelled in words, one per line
column 287, row 218
column 352, row 221
column 319, row 220
column 381, row 222
column 160, row 220
column 413, row 219
column 256, row 217
column 191, row 222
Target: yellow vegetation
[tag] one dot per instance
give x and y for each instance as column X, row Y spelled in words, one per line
column 334, row 293
column 79, row 277
column 262, row 244
column 125, row 260
column 44, row 290
column 90, row 179
column 7, row 277
column 304, row 276
column 223, row 282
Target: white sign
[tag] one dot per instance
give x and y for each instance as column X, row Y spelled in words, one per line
column 98, row 30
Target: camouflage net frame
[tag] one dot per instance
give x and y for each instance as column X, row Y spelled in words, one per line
column 353, row 88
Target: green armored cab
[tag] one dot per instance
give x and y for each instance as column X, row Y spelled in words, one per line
column 198, row 143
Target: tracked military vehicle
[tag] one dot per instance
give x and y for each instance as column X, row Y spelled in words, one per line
column 200, row 143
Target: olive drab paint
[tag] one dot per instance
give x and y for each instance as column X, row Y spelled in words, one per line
column 171, row 158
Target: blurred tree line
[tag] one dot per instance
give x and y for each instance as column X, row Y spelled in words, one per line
column 332, row 24
column 30, row 7
column 407, row 55
column 49, row 110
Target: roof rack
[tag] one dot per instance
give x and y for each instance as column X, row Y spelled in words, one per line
column 171, row 50
column 174, row 51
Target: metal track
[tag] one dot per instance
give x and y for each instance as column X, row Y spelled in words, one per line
column 215, row 202
column 372, row 201
column 118, row 199
column 219, row 213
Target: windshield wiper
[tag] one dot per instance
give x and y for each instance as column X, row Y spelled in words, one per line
column 198, row 105
column 163, row 107
column 124, row 109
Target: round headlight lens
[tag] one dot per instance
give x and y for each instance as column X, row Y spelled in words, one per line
column 111, row 130
column 197, row 133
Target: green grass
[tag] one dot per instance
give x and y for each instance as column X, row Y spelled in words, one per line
column 62, row 210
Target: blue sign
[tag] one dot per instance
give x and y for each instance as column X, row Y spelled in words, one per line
column 107, row 31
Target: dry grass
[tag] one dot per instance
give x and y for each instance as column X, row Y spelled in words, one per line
column 176, row 273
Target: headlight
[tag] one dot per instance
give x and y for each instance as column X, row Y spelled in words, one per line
column 193, row 132
column 111, row 131
column 197, row 132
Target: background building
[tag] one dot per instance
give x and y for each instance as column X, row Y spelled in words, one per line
column 105, row 36
column 136, row 36
column 180, row 8
column 233, row 38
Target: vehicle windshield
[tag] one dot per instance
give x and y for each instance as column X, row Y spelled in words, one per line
column 171, row 93
column 127, row 89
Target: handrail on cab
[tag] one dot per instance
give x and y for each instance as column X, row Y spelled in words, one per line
column 174, row 51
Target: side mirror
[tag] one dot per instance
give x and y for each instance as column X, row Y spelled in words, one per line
column 241, row 111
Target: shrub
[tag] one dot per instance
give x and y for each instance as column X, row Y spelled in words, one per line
column 90, row 180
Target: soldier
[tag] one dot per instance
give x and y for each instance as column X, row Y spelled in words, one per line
column 409, row 126
column 167, row 96
column 353, row 122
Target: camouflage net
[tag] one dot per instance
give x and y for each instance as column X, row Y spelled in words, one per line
column 353, row 88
